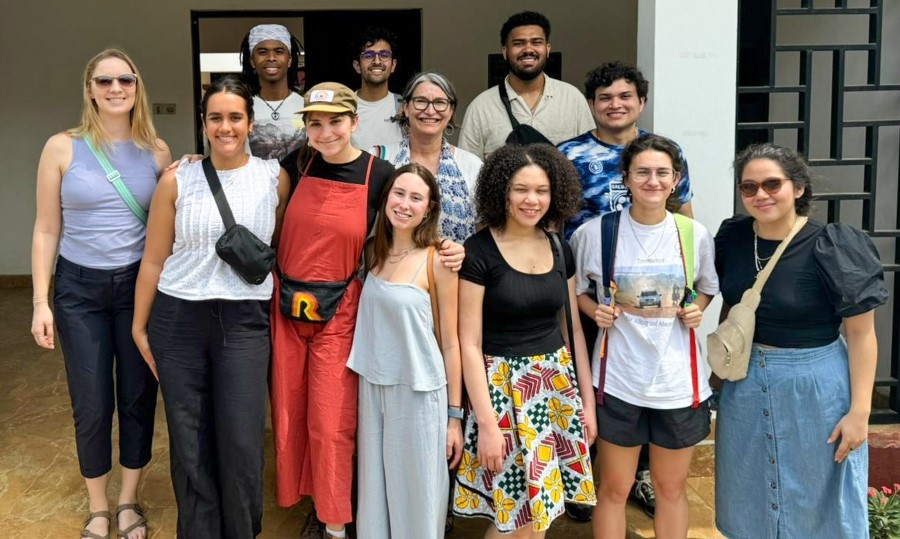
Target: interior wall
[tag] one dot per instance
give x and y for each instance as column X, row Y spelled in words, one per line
column 45, row 95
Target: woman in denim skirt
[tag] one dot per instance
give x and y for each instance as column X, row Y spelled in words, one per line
column 791, row 453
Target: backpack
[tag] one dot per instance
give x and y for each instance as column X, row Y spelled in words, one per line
column 609, row 233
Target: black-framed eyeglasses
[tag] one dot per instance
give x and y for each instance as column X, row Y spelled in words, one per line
column 384, row 54
column 126, row 80
column 769, row 185
column 439, row 104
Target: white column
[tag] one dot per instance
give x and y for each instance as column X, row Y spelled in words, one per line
column 687, row 49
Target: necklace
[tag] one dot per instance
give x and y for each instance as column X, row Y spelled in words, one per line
column 275, row 115
column 394, row 258
column 756, row 259
column 658, row 243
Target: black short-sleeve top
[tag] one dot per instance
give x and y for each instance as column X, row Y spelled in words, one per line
column 520, row 313
column 827, row 273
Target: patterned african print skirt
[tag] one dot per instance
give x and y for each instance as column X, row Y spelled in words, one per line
column 545, row 460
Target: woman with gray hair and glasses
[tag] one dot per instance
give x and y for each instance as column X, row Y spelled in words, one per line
column 427, row 118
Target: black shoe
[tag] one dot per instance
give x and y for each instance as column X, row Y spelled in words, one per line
column 643, row 493
column 313, row 528
column 579, row 512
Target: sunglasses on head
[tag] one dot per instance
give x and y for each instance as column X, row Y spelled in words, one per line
column 770, row 185
column 370, row 55
column 126, row 80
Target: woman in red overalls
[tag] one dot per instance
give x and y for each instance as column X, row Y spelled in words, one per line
column 313, row 393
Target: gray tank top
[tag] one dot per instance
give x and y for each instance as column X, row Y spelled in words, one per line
column 394, row 342
column 99, row 231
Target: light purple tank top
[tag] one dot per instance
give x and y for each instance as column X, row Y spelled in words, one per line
column 98, row 229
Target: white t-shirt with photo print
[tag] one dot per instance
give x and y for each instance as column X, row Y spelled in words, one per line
column 648, row 350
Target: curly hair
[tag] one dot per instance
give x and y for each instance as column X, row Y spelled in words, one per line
column 792, row 164
column 524, row 18
column 608, row 73
column 425, row 234
column 249, row 75
column 492, row 191
column 649, row 141
column 371, row 35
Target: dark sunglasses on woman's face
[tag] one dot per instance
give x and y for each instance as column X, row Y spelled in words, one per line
column 126, row 80
column 771, row 186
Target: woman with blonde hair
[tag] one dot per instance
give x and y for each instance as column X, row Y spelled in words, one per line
column 94, row 184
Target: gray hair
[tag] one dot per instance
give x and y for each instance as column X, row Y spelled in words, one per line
column 792, row 164
column 439, row 80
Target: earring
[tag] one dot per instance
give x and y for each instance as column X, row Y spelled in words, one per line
column 426, row 216
column 673, row 189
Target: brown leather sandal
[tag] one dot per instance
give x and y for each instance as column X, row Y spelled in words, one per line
column 141, row 521
column 85, row 533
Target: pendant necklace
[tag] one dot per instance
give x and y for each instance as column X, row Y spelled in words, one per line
column 394, row 258
column 756, row 259
column 275, row 115
column 641, row 245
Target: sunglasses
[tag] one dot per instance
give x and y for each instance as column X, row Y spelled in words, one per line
column 770, row 185
column 370, row 55
column 126, row 80
column 440, row 105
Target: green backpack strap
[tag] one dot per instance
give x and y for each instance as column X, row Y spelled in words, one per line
column 685, row 227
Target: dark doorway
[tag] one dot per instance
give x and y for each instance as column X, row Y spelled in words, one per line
column 329, row 40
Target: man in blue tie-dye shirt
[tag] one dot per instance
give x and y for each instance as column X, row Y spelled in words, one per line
column 616, row 94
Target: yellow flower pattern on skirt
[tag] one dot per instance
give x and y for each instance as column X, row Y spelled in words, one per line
column 545, row 460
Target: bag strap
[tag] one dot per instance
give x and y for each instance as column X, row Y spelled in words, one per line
column 432, row 292
column 116, row 180
column 558, row 253
column 609, row 235
column 685, row 226
column 770, row 265
column 216, row 187
column 504, row 97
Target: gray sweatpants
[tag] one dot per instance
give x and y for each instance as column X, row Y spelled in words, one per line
column 403, row 476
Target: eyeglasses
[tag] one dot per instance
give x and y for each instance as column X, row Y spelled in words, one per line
column 370, row 55
column 770, row 185
column 440, row 105
column 126, row 80
column 642, row 175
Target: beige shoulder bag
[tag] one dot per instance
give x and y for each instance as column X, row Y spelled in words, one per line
column 728, row 347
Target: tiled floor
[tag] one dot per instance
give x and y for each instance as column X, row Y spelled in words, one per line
column 42, row 494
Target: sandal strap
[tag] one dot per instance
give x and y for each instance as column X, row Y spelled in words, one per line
column 85, row 533
column 132, row 506
column 141, row 521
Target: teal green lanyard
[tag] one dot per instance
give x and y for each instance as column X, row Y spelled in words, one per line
column 116, row 180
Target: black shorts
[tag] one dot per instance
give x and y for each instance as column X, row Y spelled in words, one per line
column 627, row 425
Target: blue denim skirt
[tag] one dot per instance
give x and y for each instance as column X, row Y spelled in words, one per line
column 775, row 472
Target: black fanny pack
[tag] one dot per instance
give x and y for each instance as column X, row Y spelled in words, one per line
column 249, row 256
column 521, row 133
column 310, row 302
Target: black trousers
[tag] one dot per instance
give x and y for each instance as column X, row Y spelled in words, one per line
column 93, row 310
column 213, row 360
column 590, row 330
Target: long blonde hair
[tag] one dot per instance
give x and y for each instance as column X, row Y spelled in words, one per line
column 143, row 134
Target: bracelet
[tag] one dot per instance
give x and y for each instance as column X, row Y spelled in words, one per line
column 454, row 414
column 455, row 407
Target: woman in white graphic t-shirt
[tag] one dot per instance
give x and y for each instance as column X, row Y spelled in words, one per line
column 651, row 382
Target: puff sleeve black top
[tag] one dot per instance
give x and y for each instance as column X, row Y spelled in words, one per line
column 827, row 273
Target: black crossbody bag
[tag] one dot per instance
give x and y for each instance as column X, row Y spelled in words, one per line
column 521, row 133
column 249, row 256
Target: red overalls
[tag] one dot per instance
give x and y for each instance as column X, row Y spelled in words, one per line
column 313, row 393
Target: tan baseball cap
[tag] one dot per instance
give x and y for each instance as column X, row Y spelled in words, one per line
column 329, row 97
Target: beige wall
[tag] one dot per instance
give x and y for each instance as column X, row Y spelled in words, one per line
column 46, row 43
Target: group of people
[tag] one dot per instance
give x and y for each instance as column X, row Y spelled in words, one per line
column 449, row 325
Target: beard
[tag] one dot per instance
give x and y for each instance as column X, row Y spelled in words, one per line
column 527, row 74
